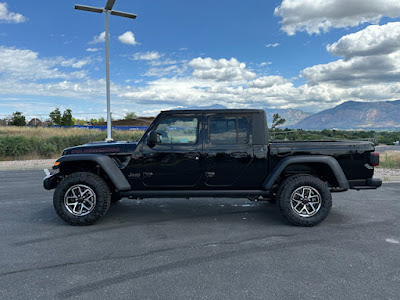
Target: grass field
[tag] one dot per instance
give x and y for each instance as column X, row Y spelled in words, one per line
column 19, row 143
column 390, row 159
column 46, row 132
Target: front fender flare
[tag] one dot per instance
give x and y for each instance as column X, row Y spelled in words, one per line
column 106, row 163
column 331, row 162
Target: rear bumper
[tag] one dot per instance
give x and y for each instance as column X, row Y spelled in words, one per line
column 365, row 184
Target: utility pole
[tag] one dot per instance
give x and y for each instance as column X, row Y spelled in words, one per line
column 107, row 10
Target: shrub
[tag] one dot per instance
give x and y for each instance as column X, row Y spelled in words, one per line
column 47, row 149
column 14, row 146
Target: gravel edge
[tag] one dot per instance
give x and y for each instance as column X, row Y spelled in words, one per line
column 385, row 174
column 19, row 165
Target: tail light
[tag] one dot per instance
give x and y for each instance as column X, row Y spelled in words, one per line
column 374, row 159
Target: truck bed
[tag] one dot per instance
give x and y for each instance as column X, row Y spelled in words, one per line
column 331, row 148
column 351, row 155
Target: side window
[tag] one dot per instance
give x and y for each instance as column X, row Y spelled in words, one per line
column 228, row 130
column 177, row 131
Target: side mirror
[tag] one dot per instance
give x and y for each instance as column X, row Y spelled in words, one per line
column 152, row 139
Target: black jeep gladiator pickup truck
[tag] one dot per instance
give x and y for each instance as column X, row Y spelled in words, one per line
column 210, row 153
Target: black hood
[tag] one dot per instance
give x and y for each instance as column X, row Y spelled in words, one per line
column 102, row 148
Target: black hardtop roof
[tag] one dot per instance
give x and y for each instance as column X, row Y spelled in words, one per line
column 192, row 111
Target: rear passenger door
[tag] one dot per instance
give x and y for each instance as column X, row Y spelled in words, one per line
column 227, row 149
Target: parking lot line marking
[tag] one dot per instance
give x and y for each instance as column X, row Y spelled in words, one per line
column 392, row 241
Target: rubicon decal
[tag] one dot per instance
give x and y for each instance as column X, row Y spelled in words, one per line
column 94, row 150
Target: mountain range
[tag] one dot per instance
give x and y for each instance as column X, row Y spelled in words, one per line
column 292, row 116
column 382, row 115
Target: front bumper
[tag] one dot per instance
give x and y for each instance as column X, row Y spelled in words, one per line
column 51, row 180
column 365, row 184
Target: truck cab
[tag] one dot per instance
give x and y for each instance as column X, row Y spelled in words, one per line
column 201, row 150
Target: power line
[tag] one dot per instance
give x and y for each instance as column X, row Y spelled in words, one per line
column 33, row 114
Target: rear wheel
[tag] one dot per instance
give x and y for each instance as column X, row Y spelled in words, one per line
column 304, row 200
column 81, row 198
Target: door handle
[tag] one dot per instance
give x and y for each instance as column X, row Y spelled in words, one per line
column 239, row 154
column 195, row 156
column 284, row 151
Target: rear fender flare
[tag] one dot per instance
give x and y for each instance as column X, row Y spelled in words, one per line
column 331, row 163
column 107, row 164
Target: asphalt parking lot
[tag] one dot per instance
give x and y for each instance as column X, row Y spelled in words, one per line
column 197, row 248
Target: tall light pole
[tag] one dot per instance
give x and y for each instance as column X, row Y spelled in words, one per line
column 108, row 10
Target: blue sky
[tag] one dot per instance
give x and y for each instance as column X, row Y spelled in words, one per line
column 303, row 54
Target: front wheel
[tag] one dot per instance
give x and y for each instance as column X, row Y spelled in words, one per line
column 81, row 198
column 304, row 200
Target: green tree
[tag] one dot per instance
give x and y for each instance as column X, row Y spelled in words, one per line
column 17, row 119
column 327, row 133
column 130, row 115
column 277, row 120
column 66, row 119
column 78, row 121
column 102, row 120
column 55, row 117
column 93, row 121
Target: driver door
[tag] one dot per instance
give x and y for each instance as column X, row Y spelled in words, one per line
column 174, row 162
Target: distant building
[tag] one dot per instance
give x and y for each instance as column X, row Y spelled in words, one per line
column 47, row 123
column 397, row 143
column 3, row 122
column 35, row 122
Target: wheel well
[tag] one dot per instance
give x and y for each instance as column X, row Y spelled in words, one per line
column 320, row 170
column 68, row 168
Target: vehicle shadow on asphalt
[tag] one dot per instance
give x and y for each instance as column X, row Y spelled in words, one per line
column 137, row 211
column 132, row 213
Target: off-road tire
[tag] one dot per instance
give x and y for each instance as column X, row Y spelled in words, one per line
column 96, row 185
column 296, row 183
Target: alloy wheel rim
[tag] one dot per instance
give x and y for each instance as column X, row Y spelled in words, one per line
column 80, row 200
column 305, row 201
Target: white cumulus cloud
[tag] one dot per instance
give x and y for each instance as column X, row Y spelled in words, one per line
column 101, row 38
column 316, row 16
column 27, row 65
column 212, row 82
column 265, row 63
column 128, row 38
column 373, row 40
column 150, row 55
column 357, row 70
column 74, row 63
column 220, row 69
column 165, row 71
column 268, row 81
column 371, row 56
column 10, row 17
column 92, row 49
